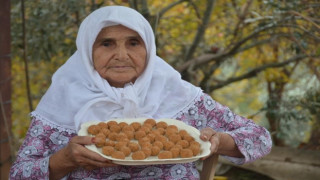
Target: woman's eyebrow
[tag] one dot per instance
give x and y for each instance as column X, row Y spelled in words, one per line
column 107, row 39
column 134, row 37
column 103, row 39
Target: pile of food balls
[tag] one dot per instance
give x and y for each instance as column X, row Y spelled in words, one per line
column 141, row 140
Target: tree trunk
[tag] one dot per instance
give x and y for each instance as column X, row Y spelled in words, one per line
column 285, row 163
column 5, row 89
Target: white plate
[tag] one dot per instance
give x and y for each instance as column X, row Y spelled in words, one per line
column 205, row 146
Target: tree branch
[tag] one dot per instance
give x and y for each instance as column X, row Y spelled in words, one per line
column 241, row 17
column 145, row 10
column 167, row 8
column 306, row 18
column 25, row 55
column 217, row 57
column 256, row 71
column 231, row 49
column 201, row 29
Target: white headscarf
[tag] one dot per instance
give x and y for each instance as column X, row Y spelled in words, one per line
column 78, row 94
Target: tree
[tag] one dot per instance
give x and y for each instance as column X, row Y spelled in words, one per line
column 255, row 43
column 5, row 91
column 249, row 55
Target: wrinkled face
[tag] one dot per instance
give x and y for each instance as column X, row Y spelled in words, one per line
column 119, row 55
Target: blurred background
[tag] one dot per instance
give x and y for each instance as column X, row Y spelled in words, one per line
column 260, row 58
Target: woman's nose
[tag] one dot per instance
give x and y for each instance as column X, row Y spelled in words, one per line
column 122, row 53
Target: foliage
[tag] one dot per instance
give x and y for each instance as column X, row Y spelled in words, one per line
column 249, row 55
column 300, row 117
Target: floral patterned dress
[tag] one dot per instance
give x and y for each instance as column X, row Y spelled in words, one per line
column 43, row 140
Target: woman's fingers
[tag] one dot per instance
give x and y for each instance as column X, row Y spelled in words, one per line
column 215, row 141
column 95, row 156
column 82, row 140
column 85, row 161
column 206, row 133
column 84, row 157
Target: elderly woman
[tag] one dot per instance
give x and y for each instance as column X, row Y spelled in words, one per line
column 115, row 73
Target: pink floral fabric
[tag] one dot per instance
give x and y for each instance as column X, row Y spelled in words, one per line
column 43, row 140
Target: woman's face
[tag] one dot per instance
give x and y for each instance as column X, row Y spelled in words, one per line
column 119, row 55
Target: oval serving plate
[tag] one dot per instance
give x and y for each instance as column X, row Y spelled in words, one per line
column 205, row 146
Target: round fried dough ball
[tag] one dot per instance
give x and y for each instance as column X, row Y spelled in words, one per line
column 174, row 138
column 138, row 155
column 174, row 127
column 135, row 125
column 188, row 138
column 144, row 140
column 145, row 129
column 130, row 134
column 155, row 132
column 161, row 124
column 160, row 138
column 151, row 137
column 110, row 123
column 105, row 132
column 103, row 125
column 133, row 146
column 110, row 143
column 175, row 152
column 123, row 124
column 101, row 135
column 115, row 128
column 170, row 132
column 113, row 136
column 118, row 155
column 93, row 129
column 149, row 126
column 186, row 153
column 165, row 155
column 171, row 129
column 162, row 131
column 126, row 150
column 118, row 145
column 177, row 146
column 121, row 136
column 159, row 144
column 146, row 144
column 107, row 150
column 168, row 145
column 155, row 150
column 183, row 143
column 195, row 149
column 128, row 128
column 152, row 122
column 99, row 142
column 194, row 143
column 147, row 151
column 183, row 132
column 139, row 134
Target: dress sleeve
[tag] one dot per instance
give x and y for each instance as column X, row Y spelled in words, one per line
column 253, row 141
column 40, row 143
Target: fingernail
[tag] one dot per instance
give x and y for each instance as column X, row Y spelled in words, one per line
column 205, row 137
column 93, row 140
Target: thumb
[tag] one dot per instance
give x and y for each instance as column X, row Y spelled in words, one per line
column 83, row 140
column 206, row 133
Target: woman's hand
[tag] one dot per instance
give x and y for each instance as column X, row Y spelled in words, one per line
column 221, row 143
column 75, row 155
column 208, row 134
column 79, row 156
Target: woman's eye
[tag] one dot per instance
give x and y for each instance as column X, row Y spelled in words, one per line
column 134, row 42
column 107, row 43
